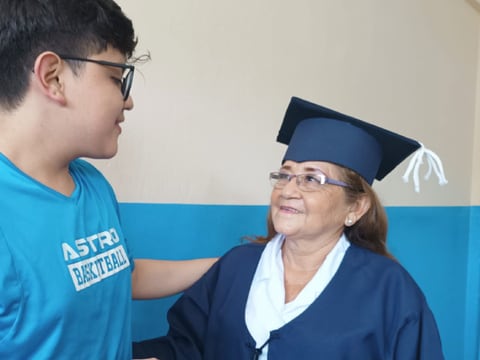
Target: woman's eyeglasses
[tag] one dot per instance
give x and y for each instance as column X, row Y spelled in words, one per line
column 305, row 182
column 127, row 77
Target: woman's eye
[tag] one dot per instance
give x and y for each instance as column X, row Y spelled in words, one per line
column 312, row 179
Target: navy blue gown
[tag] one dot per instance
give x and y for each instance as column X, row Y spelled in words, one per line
column 371, row 309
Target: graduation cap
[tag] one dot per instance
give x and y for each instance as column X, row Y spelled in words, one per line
column 315, row 133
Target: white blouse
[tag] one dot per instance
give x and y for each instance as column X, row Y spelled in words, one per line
column 266, row 309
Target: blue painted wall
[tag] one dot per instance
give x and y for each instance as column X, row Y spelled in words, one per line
column 439, row 246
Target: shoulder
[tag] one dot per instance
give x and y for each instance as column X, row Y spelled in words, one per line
column 365, row 258
column 83, row 167
column 386, row 275
column 88, row 175
column 237, row 264
column 243, row 253
column 11, row 292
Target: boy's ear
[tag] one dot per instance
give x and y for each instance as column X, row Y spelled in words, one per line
column 49, row 71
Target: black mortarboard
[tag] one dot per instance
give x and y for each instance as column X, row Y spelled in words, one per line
column 315, row 133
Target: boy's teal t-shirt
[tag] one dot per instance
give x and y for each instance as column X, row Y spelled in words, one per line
column 65, row 270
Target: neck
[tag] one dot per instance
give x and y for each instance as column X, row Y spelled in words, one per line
column 35, row 153
column 45, row 172
column 301, row 262
column 305, row 255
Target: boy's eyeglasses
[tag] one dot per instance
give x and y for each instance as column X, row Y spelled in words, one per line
column 127, row 77
column 305, row 182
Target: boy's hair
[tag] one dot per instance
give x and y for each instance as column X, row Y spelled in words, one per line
column 72, row 27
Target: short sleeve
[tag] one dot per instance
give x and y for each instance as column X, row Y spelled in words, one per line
column 419, row 338
column 10, row 291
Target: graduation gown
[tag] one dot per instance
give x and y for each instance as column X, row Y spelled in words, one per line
column 371, row 309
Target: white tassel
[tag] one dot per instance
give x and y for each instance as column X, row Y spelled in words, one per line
column 434, row 163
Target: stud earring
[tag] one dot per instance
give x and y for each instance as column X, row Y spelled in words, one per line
column 349, row 222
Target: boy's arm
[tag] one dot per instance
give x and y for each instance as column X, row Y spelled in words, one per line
column 160, row 278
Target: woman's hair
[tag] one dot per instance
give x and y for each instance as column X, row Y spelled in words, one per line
column 370, row 231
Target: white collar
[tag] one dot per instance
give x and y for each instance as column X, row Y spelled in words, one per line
column 266, row 309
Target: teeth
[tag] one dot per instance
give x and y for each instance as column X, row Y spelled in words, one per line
column 287, row 208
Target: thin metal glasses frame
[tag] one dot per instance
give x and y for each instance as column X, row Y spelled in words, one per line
column 279, row 180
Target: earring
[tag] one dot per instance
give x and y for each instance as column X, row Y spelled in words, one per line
column 349, row 222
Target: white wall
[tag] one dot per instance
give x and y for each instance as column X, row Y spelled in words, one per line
column 209, row 104
column 476, row 148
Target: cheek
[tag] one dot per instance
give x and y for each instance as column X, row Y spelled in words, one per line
column 275, row 208
column 328, row 207
column 273, row 196
column 274, row 199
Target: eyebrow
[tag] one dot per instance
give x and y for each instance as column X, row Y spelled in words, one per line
column 306, row 169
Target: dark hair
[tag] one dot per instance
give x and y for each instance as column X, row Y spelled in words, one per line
column 74, row 27
column 370, row 231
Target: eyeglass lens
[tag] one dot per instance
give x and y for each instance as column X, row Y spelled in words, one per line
column 305, row 182
column 127, row 83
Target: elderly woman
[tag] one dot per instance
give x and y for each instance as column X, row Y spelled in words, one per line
column 321, row 284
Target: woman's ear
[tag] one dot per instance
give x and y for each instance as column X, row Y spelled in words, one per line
column 357, row 210
column 49, row 71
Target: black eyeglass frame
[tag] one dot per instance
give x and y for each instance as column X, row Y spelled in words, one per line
column 127, row 78
column 277, row 176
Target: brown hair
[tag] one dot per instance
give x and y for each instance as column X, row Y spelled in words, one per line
column 370, row 231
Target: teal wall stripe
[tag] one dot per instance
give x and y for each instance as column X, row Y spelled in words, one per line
column 432, row 244
column 439, row 246
column 472, row 310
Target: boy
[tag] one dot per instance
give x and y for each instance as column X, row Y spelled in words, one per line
column 66, row 276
